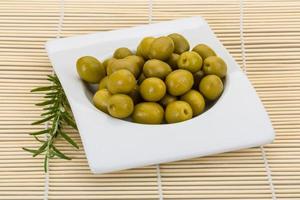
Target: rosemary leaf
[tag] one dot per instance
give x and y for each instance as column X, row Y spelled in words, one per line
column 40, row 89
column 49, row 112
column 40, row 132
column 40, row 150
column 49, row 108
column 29, row 150
column 69, row 139
column 43, row 120
column 53, row 79
column 38, row 139
column 69, row 120
column 51, row 94
column 45, row 102
column 60, row 154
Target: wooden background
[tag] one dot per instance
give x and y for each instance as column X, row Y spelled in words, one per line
column 271, row 59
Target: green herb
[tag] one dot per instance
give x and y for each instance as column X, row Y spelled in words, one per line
column 57, row 114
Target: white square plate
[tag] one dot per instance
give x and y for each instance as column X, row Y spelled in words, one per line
column 238, row 119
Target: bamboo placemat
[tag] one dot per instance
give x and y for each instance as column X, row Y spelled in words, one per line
column 264, row 38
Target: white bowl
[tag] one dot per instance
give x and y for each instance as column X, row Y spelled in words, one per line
column 238, row 119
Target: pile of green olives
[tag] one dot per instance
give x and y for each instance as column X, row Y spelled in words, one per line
column 163, row 81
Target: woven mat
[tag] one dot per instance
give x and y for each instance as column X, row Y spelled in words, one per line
column 262, row 35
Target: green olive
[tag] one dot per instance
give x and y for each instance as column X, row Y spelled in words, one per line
column 144, row 47
column 178, row 111
column 197, row 78
column 180, row 43
column 90, row 69
column 122, row 53
column 204, row 51
column 120, row 106
column 121, row 81
column 141, row 78
column 148, row 113
column 136, row 60
column 172, row 61
column 103, row 83
column 211, row 87
column 101, row 98
column 179, row 82
column 190, row 61
column 161, row 48
column 139, row 51
column 196, row 101
column 108, row 62
column 215, row 65
column 156, row 68
column 123, row 64
column 105, row 63
column 135, row 94
column 152, row 89
column 167, row 99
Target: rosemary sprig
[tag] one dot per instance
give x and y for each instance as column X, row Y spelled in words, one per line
column 57, row 113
